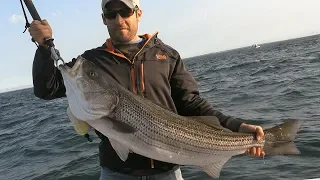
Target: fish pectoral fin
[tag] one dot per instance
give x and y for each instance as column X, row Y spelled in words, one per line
column 212, row 121
column 121, row 126
column 121, row 150
column 81, row 127
column 214, row 169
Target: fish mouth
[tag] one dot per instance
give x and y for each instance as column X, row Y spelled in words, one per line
column 65, row 69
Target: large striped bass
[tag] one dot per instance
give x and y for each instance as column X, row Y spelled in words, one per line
column 134, row 124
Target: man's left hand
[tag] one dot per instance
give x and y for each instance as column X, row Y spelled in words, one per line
column 248, row 128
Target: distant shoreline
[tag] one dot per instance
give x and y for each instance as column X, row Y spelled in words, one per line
column 15, row 88
column 248, row 46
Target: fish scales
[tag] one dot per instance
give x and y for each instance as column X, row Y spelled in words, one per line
column 176, row 131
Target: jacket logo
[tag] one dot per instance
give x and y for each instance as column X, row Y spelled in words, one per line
column 161, row 56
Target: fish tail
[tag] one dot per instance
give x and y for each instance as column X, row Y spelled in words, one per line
column 279, row 139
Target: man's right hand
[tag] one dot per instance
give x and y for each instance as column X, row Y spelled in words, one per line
column 40, row 31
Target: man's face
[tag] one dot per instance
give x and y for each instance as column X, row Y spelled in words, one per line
column 123, row 28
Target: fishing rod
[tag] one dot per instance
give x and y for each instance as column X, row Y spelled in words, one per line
column 55, row 55
column 81, row 127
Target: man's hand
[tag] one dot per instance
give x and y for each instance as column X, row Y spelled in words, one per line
column 40, row 31
column 248, row 128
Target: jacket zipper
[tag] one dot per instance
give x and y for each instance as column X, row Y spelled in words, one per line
column 142, row 88
column 142, row 78
column 133, row 77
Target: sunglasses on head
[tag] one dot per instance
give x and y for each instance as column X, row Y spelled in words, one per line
column 126, row 12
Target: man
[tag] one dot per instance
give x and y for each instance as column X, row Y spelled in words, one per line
column 144, row 65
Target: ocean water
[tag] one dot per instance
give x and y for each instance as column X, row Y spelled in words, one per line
column 277, row 81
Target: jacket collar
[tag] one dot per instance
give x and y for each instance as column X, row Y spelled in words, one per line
column 150, row 42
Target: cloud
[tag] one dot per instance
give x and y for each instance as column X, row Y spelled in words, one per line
column 16, row 18
column 56, row 13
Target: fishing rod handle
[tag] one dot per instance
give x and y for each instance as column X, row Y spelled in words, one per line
column 35, row 15
column 33, row 11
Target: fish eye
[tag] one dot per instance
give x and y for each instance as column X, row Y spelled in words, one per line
column 92, row 73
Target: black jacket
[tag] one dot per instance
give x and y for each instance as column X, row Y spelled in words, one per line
column 157, row 72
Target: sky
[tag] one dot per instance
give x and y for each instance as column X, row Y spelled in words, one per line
column 191, row 27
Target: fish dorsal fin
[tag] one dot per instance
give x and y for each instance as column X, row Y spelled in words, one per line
column 121, row 150
column 151, row 103
column 121, row 127
column 211, row 121
column 164, row 107
column 214, row 169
